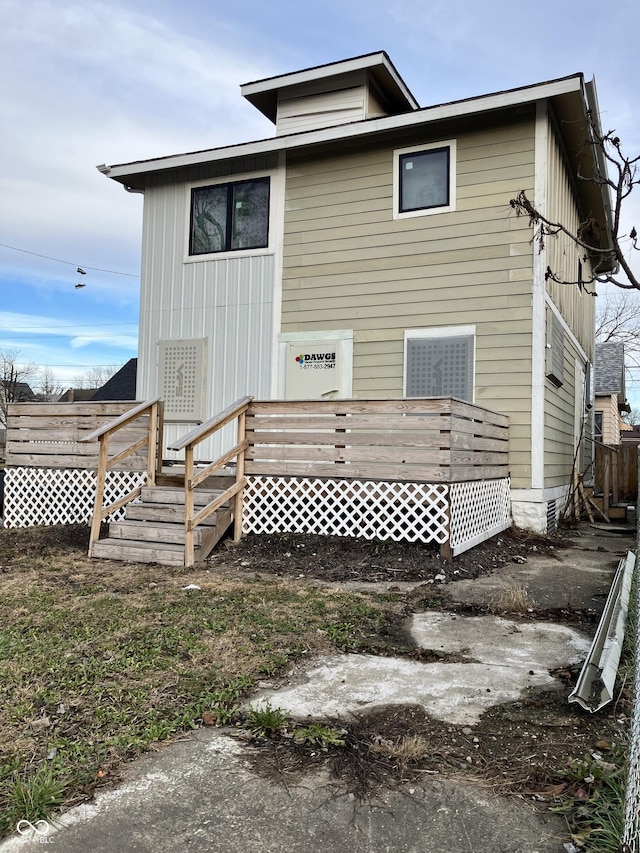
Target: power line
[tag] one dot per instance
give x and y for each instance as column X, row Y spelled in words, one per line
column 68, row 263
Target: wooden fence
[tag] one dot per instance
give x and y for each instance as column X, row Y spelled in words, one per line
column 616, row 474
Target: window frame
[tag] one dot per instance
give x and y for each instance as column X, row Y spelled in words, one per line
column 598, row 421
column 226, row 180
column 398, row 156
column 441, row 332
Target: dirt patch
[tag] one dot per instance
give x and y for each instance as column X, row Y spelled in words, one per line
column 525, row 748
column 333, row 558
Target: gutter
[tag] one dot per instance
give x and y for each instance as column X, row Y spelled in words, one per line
column 596, row 682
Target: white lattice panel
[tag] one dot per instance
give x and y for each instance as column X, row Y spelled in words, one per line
column 34, row 496
column 479, row 510
column 410, row 512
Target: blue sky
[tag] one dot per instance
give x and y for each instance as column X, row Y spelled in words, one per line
column 88, row 82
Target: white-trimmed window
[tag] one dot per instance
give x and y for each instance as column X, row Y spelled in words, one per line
column 424, row 179
column 229, row 216
column 440, row 362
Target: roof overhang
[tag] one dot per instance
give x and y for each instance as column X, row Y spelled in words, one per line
column 570, row 98
column 263, row 94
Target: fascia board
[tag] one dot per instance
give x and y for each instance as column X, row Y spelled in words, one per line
column 371, row 61
column 309, row 74
column 427, row 115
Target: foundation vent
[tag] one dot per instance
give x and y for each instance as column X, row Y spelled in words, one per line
column 552, row 520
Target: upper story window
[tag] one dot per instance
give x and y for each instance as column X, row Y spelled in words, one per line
column 425, row 179
column 229, row 217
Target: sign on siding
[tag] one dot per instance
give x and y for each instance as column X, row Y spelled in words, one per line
column 314, row 370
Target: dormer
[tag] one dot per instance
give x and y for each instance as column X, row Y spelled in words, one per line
column 352, row 90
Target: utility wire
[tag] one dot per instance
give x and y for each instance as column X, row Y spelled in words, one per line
column 68, row 263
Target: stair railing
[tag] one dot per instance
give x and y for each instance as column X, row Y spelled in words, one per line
column 152, row 437
column 191, row 479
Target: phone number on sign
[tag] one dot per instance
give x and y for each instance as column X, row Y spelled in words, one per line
column 322, row 366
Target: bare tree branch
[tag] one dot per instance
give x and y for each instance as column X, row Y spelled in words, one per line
column 14, row 387
column 609, row 261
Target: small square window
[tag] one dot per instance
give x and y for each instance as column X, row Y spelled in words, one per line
column 229, row 217
column 424, row 180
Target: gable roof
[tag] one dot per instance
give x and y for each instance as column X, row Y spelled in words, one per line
column 609, row 369
column 121, row 386
column 21, row 392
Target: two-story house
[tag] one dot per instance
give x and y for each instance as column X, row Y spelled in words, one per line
column 377, row 234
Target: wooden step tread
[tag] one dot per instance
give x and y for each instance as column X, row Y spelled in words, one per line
column 138, row 552
column 163, row 513
column 175, row 496
column 147, row 531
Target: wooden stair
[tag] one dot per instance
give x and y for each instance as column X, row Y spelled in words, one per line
column 153, row 529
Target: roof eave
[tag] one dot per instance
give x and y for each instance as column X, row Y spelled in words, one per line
column 132, row 174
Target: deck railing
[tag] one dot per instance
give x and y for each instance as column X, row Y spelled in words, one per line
column 435, row 440
column 192, row 479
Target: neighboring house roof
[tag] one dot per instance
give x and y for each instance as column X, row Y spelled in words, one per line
column 121, row 386
column 609, row 369
column 572, row 100
column 76, row 395
column 23, row 393
column 609, row 373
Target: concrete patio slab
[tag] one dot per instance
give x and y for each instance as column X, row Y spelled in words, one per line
column 506, row 658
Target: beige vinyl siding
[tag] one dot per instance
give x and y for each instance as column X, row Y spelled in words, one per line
column 610, row 418
column 560, row 424
column 578, row 309
column 313, row 112
column 349, row 265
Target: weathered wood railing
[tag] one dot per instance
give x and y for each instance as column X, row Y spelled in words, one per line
column 151, row 412
column 50, row 435
column 439, row 440
column 191, row 480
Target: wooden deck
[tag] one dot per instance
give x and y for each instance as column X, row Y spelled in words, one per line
column 411, row 454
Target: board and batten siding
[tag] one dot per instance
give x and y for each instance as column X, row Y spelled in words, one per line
column 228, row 301
column 349, row 265
column 578, row 310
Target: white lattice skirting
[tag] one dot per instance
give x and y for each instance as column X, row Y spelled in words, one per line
column 409, row 512
column 412, row 512
column 34, row 496
column 479, row 510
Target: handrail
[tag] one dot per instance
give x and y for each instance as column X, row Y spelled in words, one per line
column 209, row 427
column 121, row 421
column 187, row 443
column 153, row 440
